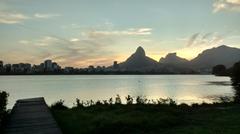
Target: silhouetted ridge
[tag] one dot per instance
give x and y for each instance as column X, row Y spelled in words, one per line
column 218, row 55
column 138, row 61
column 140, row 52
column 172, row 58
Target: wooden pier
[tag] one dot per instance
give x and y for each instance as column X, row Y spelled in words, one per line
column 32, row 116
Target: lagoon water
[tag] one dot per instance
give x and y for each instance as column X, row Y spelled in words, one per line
column 182, row 88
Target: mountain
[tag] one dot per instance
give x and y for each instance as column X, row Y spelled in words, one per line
column 138, row 61
column 172, row 58
column 223, row 54
column 218, row 55
column 172, row 64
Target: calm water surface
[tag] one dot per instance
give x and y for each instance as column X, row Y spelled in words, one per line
column 182, row 88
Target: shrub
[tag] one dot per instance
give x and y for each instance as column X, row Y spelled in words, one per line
column 105, row 102
column 129, row 99
column 118, row 99
column 3, row 100
column 89, row 103
column 172, row 102
column 162, row 101
column 183, row 105
column 59, row 105
column 98, row 102
column 167, row 101
column 141, row 100
column 195, row 105
column 110, row 101
column 236, row 74
column 225, row 99
column 3, row 108
column 79, row 104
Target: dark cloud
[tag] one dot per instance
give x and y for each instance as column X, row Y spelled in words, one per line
column 207, row 39
column 192, row 39
column 207, row 35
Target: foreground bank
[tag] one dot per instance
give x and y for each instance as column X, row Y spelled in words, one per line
column 220, row 118
column 141, row 116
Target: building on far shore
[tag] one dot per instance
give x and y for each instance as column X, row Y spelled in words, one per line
column 1, row 64
column 115, row 65
column 37, row 68
column 48, row 65
column 21, row 68
column 7, row 68
column 91, row 68
column 68, row 69
column 26, row 68
column 56, row 67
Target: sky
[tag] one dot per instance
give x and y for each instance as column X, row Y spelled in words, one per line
column 80, row 33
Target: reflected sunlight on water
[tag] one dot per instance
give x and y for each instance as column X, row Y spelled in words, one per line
column 182, row 88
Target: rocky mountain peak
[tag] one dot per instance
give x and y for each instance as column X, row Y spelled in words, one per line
column 140, row 52
column 172, row 58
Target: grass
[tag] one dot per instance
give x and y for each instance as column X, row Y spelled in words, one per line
column 221, row 118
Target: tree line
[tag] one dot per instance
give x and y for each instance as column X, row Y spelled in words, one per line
column 233, row 72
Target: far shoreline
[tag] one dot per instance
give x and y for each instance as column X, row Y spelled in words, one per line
column 96, row 74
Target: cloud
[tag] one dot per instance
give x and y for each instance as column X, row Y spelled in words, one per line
column 72, row 52
column 94, row 47
column 7, row 17
column 11, row 17
column 226, row 5
column 106, row 25
column 24, row 42
column 208, row 39
column 192, row 39
column 199, row 42
column 74, row 39
column 47, row 40
column 72, row 26
column 207, row 35
column 42, row 42
column 45, row 16
column 131, row 31
column 145, row 40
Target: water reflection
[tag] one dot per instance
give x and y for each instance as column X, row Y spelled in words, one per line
column 236, row 92
column 182, row 88
column 220, row 83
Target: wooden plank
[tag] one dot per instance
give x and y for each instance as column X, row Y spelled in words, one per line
column 32, row 116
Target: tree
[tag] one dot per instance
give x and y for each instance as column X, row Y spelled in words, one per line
column 118, row 99
column 3, row 108
column 219, row 70
column 129, row 99
column 235, row 76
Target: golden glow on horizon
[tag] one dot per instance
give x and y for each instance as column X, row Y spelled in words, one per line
column 187, row 53
column 190, row 53
column 156, row 57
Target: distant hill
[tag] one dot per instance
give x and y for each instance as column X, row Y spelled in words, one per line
column 172, row 64
column 218, row 55
column 223, row 54
column 172, row 58
column 138, row 61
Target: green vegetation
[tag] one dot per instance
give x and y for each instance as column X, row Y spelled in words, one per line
column 220, row 70
column 236, row 74
column 141, row 116
column 233, row 72
column 3, row 109
column 144, row 116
